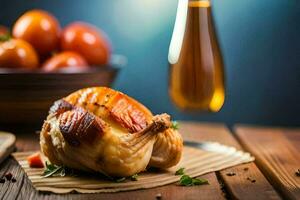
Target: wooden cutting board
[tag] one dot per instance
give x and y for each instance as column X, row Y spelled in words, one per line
column 7, row 144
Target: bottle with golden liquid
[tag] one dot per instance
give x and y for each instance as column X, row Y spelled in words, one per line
column 196, row 73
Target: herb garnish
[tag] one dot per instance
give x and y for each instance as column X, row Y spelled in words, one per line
column 297, row 172
column 134, row 177
column 175, row 125
column 122, row 179
column 186, row 180
column 55, row 170
column 180, row 171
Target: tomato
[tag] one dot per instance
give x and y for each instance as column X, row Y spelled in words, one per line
column 86, row 40
column 16, row 53
column 40, row 29
column 35, row 161
column 64, row 60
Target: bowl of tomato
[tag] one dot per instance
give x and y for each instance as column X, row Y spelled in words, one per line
column 41, row 62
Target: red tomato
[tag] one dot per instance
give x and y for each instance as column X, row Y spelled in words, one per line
column 64, row 60
column 16, row 53
column 40, row 29
column 35, row 160
column 86, row 40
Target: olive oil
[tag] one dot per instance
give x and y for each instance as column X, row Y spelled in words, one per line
column 196, row 79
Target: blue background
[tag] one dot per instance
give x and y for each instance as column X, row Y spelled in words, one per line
column 260, row 41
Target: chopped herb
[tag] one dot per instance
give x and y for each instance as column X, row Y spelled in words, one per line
column 134, row 177
column 199, row 181
column 13, row 180
column 52, row 170
column 55, row 170
column 180, row 171
column 297, row 172
column 186, row 180
column 122, row 179
column 175, row 125
column 119, row 180
column 2, row 180
column 230, row 174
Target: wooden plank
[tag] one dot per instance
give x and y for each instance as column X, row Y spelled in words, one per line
column 24, row 190
column 277, row 155
column 239, row 186
column 293, row 136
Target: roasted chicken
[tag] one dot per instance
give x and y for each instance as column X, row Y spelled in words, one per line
column 103, row 130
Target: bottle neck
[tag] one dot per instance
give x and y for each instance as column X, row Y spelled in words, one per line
column 199, row 3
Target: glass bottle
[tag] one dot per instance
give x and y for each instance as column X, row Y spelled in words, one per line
column 196, row 76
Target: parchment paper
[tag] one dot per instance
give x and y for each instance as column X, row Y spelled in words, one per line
column 195, row 161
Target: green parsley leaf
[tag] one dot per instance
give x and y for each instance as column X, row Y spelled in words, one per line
column 175, row 125
column 51, row 170
column 180, row 171
column 199, row 181
column 186, row 180
column 134, row 177
column 55, row 170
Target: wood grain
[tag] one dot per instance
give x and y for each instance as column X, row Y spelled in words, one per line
column 238, row 186
column 277, row 155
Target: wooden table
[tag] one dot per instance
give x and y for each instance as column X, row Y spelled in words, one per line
column 272, row 176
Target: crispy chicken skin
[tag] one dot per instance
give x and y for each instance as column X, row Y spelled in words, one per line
column 103, row 130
